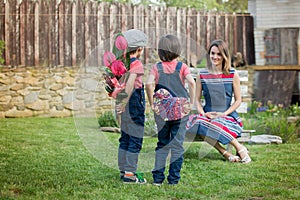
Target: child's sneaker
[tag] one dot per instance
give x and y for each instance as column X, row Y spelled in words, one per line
column 157, row 184
column 130, row 177
column 122, row 173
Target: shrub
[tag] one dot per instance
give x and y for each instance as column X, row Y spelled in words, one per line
column 272, row 119
column 107, row 119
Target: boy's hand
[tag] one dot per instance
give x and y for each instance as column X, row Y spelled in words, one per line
column 120, row 108
column 155, row 109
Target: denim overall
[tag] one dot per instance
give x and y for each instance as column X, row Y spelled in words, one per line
column 171, row 134
column 132, row 131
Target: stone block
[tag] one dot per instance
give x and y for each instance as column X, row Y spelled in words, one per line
column 16, row 87
column 14, row 113
column 31, row 97
column 265, row 139
column 61, row 113
column 38, row 105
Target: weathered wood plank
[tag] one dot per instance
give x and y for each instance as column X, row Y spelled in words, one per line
column 275, row 67
column 2, row 25
column 22, row 34
column 42, row 56
column 74, row 35
column 80, row 31
column 36, row 34
column 275, row 86
column 29, row 33
column 11, row 33
column 250, row 48
column 61, row 35
column 87, row 31
column 67, row 17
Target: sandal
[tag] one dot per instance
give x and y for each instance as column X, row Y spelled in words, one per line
column 232, row 158
column 247, row 158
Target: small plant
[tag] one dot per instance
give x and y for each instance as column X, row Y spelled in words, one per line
column 107, row 119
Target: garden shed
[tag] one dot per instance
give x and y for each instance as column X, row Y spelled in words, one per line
column 277, row 50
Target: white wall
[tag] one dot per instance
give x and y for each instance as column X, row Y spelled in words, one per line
column 275, row 13
column 272, row 14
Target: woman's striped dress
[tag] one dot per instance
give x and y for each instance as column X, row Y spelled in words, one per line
column 217, row 91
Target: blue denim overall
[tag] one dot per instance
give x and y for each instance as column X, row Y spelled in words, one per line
column 132, row 131
column 171, row 134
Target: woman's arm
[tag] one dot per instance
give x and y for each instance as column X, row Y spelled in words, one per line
column 192, row 85
column 198, row 96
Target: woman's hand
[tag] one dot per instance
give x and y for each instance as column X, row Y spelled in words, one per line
column 214, row 115
column 187, row 108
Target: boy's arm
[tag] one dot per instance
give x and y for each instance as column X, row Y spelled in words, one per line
column 128, row 89
column 150, row 89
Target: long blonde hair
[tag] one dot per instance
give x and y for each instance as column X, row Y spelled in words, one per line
column 222, row 46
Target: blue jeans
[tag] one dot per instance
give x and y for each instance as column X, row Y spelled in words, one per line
column 171, row 136
column 132, row 131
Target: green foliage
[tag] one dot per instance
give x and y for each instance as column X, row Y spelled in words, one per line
column 203, row 63
column 2, row 46
column 107, row 119
column 150, row 126
column 239, row 6
column 273, row 119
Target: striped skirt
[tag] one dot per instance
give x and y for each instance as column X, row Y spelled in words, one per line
column 223, row 129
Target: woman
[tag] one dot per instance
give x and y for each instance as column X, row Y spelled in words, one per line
column 218, row 122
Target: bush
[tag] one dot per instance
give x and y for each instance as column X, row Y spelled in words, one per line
column 272, row 119
column 107, row 119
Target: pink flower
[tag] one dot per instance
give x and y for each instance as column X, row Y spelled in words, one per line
column 108, row 59
column 121, row 43
column 118, row 68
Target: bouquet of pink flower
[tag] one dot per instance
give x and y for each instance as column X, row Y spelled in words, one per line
column 116, row 65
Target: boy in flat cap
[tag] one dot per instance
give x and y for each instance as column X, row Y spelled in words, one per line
column 132, row 110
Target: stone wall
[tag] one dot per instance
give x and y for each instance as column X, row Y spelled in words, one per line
column 51, row 92
column 58, row 92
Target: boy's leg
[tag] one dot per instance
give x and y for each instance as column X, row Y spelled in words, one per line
column 177, row 150
column 161, row 151
column 135, row 128
column 123, row 148
column 132, row 154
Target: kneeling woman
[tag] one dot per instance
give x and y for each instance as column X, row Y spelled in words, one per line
column 218, row 122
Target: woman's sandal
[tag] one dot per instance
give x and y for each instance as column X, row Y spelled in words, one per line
column 247, row 158
column 232, row 158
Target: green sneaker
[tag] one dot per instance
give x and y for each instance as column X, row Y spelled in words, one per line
column 130, row 177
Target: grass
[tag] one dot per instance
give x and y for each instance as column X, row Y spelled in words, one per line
column 57, row 158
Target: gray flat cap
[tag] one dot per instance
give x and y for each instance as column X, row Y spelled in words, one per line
column 135, row 38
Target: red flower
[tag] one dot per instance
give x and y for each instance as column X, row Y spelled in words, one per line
column 121, row 43
column 118, row 68
column 108, row 59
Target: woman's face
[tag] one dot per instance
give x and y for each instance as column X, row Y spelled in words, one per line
column 215, row 56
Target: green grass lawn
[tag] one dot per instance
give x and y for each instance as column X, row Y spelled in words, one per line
column 59, row 158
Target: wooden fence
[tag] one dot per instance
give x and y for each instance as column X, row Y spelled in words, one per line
column 64, row 33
